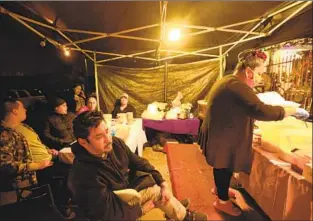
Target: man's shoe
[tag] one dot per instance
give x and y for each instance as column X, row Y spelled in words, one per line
column 228, row 208
column 184, row 202
column 195, row 216
column 231, row 192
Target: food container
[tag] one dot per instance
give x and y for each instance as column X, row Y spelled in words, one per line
column 257, row 138
column 122, row 118
column 130, row 117
column 108, row 119
column 202, row 108
column 182, row 115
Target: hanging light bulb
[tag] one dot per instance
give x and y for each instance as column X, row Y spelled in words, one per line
column 174, row 34
column 66, row 52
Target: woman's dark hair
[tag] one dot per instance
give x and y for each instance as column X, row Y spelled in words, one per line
column 251, row 59
column 86, row 120
column 77, row 84
column 92, row 95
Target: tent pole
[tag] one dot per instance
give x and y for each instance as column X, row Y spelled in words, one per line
column 96, row 80
column 114, row 34
column 181, row 52
column 290, row 16
column 86, row 66
column 165, row 81
column 211, row 48
column 221, row 61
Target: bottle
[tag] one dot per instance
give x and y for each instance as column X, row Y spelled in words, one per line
column 113, row 130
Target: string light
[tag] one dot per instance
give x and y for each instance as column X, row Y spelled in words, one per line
column 43, row 42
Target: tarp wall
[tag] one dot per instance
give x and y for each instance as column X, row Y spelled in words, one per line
column 145, row 86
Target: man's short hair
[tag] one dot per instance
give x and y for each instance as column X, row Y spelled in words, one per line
column 86, row 120
column 8, row 105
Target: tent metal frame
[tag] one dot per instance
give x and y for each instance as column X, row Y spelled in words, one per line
column 74, row 45
column 298, row 6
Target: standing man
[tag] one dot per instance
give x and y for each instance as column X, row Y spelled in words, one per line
column 227, row 130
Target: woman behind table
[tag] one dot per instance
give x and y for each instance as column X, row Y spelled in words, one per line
column 91, row 104
column 227, row 130
column 122, row 106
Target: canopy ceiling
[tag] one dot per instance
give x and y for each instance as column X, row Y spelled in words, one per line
column 112, row 17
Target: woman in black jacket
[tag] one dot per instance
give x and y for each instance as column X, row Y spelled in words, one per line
column 122, row 106
column 227, row 130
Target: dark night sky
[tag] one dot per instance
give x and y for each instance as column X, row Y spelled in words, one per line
column 21, row 51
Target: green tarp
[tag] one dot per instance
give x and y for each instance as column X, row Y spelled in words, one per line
column 145, row 86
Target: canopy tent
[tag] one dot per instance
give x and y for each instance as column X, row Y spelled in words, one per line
column 117, row 32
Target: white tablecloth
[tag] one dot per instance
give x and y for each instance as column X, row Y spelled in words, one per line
column 132, row 134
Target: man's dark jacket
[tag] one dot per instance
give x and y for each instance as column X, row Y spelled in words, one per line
column 93, row 180
column 58, row 130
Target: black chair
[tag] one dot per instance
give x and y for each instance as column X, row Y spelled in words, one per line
column 27, row 194
column 44, row 190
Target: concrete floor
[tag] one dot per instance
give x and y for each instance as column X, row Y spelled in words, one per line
column 37, row 212
column 251, row 211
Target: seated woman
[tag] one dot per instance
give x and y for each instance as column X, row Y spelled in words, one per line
column 58, row 127
column 75, row 99
column 122, row 106
column 91, row 104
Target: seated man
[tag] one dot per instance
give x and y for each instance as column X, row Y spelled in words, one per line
column 17, row 168
column 104, row 167
column 33, row 155
column 58, row 129
column 122, row 106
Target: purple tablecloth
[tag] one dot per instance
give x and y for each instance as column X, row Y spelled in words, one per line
column 188, row 126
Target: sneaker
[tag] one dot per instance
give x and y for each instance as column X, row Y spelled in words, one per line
column 228, row 208
column 195, row 216
column 185, row 203
column 158, row 148
column 231, row 192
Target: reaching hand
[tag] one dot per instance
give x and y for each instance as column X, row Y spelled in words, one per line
column 53, row 152
column 147, row 207
column 301, row 114
column 166, row 194
column 82, row 94
column 76, row 98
